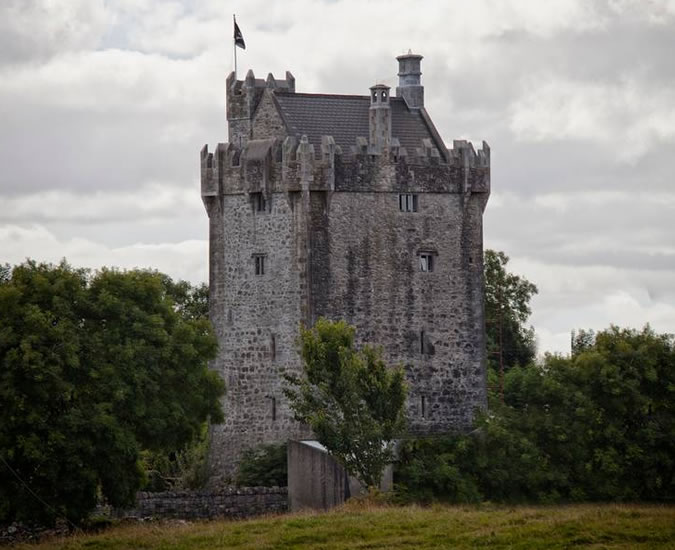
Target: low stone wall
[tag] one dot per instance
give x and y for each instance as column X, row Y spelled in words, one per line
column 234, row 502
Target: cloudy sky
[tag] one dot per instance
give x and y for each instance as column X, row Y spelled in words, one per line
column 105, row 104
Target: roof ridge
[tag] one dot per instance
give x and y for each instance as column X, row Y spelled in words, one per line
column 306, row 94
column 286, row 93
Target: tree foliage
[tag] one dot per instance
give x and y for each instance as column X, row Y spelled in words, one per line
column 598, row 425
column 93, row 369
column 264, row 466
column 507, row 308
column 350, row 399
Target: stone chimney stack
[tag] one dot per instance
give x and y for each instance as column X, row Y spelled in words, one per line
column 380, row 117
column 409, row 82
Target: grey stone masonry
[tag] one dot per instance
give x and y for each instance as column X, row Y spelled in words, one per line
column 385, row 236
column 231, row 502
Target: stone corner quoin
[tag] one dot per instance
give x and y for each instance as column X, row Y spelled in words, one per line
column 345, row 207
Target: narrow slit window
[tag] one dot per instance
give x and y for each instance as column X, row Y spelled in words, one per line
column 426, row 261
column 259, row 264
column 421, row 341
column 407, row 202
column 259, row 203
column 274, row 408
column 273, row 346
column 424, row 412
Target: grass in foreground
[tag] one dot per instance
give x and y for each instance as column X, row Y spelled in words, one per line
column 411, row 527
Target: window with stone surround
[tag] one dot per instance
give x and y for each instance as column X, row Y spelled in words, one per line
column 259, row 260
column 426, row 261
column 407, row 202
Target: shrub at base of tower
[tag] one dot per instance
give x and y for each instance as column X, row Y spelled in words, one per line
column 350, row 399
column 264, row 466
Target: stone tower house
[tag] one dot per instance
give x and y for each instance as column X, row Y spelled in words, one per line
column 347, row 207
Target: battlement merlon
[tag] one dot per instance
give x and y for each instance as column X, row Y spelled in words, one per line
column 275, row 165
column 250, row 81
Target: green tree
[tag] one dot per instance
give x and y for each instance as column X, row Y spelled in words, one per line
column 191, row 302
column 598, row 425
column 186, row 467
column 582, row 340
column 350, row 399
column 93, row 369
column 509, row 340
column 5, row 272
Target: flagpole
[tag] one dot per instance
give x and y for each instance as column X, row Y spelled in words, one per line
column 234, row 45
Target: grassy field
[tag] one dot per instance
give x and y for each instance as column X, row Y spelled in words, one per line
column 363, row 526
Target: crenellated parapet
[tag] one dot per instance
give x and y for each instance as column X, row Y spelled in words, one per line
column 244, row 97
column 272, row 166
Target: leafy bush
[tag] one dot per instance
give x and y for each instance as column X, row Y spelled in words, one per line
column 264, row 466
column 186, row 468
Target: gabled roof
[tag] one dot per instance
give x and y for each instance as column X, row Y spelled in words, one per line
column 345, row 117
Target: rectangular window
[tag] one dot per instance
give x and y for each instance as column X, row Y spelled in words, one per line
column 259, row 203
column 259, row 264
column 426, row 261
column 407, row 202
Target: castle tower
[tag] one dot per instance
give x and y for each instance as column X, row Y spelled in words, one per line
column 345, row 207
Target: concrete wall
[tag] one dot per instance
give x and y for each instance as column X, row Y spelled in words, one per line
column 315, row 479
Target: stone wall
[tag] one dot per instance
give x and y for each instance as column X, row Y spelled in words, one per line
column 256, row 318
column 365, row 269
column 234, row 502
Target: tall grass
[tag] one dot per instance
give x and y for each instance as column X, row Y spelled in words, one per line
column 375, row 526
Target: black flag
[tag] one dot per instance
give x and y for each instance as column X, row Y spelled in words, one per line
column 238, row 37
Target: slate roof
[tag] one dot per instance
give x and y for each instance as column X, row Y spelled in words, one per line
column 345, row 117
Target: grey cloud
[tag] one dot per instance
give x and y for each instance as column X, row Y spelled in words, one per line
column 33, row 30
column 277, row 27
column 65, row 150
column 80, row 125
